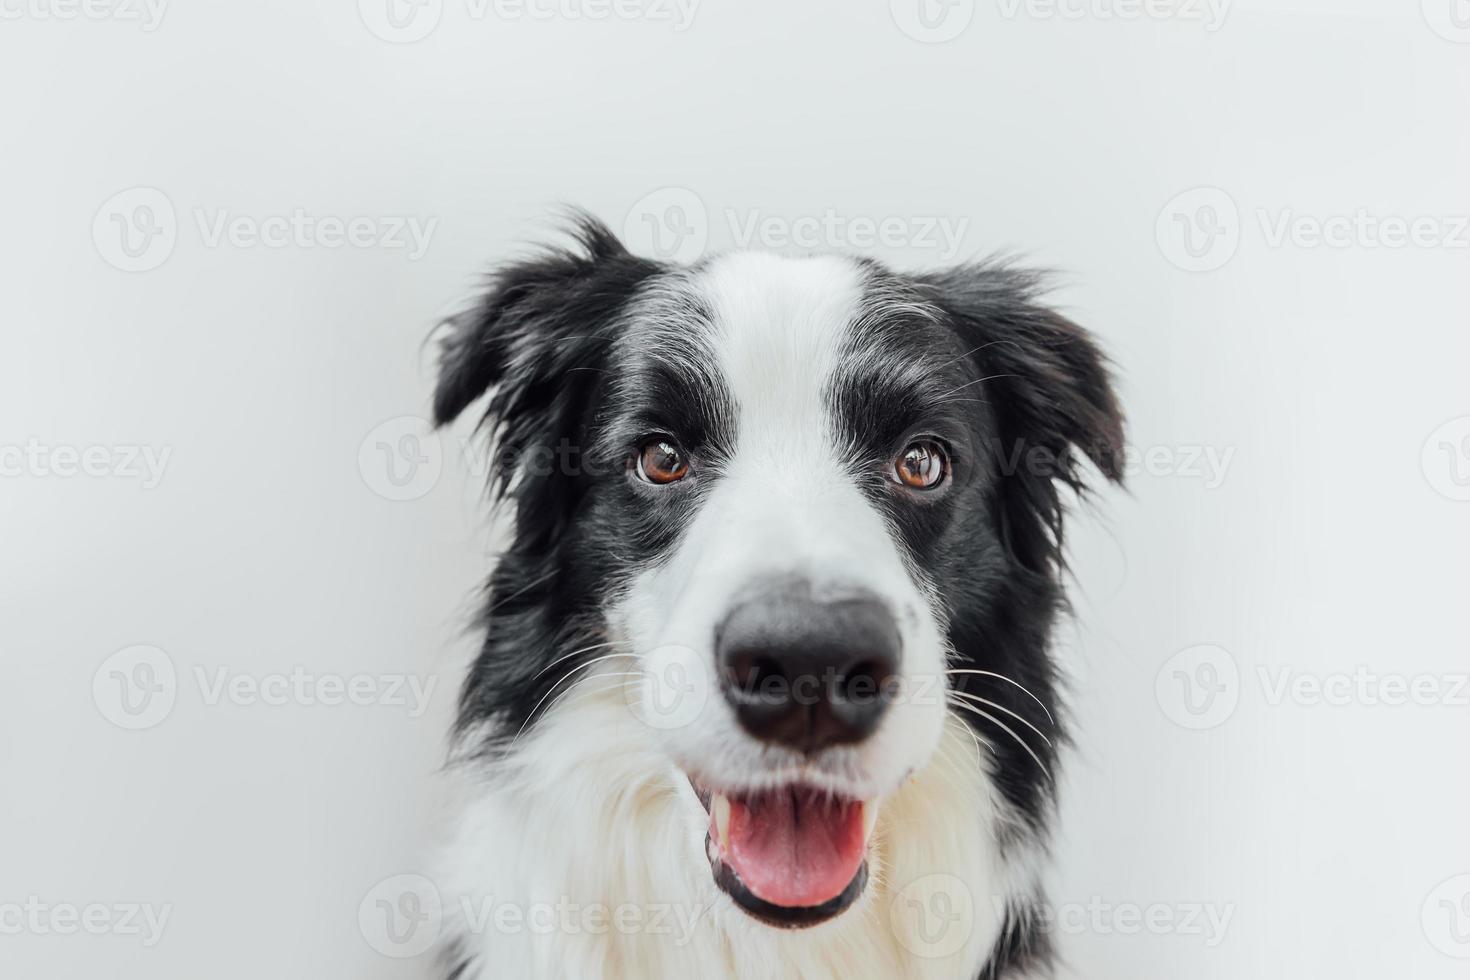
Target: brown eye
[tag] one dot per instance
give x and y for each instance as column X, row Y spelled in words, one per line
column 660, row 461
column 922, row 465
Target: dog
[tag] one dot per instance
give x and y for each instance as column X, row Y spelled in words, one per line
column 765, row 687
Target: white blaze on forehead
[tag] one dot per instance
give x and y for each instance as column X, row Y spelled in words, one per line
column 781, row 326
column 787, row 502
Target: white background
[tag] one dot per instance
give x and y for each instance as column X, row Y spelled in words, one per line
column 1333, row 540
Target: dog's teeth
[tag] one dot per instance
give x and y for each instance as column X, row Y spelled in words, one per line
column 720, row 810
column 870, row 818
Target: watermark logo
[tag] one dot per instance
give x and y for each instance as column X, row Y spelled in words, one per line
column 400, row 21
column 672, row 922
column 308, row 689
column 679, row 13
column 1363, row 687
column 672, row 688
column 1207, row 464
column 1450, row 19
column 401, row 459
column 35, row 917
column 147, row 14
column 301, row 229
column 674, row 682
column 940, row 234
column 407, row 21
column 1210, row 465
column 1210, row 13
column 673, row 224
column 136, row 687
column 1098, row 916
column 400, row 916
column 670, row 225
column 1362, row 229
column 932, row 21
column 39, row 460
column 1445, row 459
column 1199, row 687
column 1199, row 230
column 135, row 230
column 1446, row 917
column 933, row 916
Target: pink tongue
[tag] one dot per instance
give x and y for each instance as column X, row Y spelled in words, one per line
column 794, row 847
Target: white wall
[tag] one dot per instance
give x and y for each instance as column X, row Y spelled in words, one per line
column 1318, row 376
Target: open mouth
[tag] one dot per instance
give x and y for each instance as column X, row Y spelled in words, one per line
column 792, row 856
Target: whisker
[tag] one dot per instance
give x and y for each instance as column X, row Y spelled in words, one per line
column 976, row 350
column 567, row 656
column 525, row 588
column 1002, row 708
column 1011, row 732
column 982, row 744
column 552, row 690
column 585, row 694
column 1003, row 677
column 988, row 377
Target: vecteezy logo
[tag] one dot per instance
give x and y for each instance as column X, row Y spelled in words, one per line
column 136, row 687
column 1199, row 687
column 401, row 459
column 933, row 916
column 1450, row 19
column 400, row 916
column 1446, row 917
column 135, row 230
column 1446, row 459
column 932, row 21
column 672, row 687
column 400, row 21
column 1199, row 230
column 671, row 225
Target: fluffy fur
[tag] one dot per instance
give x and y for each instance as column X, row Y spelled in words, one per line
column 791, row 382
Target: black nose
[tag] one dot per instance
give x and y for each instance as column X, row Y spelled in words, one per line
column 806, row 673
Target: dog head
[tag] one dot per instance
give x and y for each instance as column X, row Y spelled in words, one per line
column 812, row 506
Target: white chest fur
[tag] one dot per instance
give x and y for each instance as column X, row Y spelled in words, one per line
column 581, row 855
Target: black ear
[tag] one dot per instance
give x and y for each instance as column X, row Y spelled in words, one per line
column 523, row 329
column 1050, row 392
column 536, row 341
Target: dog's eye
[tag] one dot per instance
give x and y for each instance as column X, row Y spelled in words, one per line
column 922, row 465
column 661, row 461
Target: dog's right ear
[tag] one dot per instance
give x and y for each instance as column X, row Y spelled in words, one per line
column 530, row 340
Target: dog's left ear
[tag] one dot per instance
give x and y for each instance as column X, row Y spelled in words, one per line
column 536, row 341
column 1050, row 391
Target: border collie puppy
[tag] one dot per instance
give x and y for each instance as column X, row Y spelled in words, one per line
column 765, row 689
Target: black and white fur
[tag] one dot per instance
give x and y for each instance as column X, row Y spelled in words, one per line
column 791, row 381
